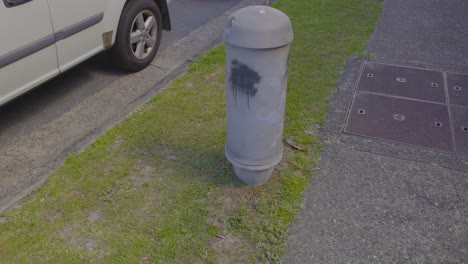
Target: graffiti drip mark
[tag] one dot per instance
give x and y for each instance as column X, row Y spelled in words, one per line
column 243, row 80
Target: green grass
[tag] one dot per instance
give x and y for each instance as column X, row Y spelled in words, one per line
column 157, row 187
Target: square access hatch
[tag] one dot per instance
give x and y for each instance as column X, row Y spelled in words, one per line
column 410, row 105
column 460, row 128
column 458, row 89
column 402, row 81
column 402, row 120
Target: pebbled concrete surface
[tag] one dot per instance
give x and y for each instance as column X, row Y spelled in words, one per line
column 28, row 158
column 389, row 210
column 374, row 201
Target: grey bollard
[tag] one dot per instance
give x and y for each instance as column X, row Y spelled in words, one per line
column 257, row 50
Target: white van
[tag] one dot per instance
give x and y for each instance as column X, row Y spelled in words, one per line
column 39, row 39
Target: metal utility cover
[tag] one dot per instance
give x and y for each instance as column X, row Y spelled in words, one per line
column 457, row 85
column 402, row 120
column 460, row 127
column 393, row 80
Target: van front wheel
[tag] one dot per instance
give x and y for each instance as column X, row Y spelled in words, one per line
column 138, row 35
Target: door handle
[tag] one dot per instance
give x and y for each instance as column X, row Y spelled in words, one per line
column 12, row 3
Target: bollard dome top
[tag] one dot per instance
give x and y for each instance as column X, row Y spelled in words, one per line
column 258, row 27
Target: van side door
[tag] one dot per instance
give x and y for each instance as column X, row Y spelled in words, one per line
column 78, row 25
column 28, row 55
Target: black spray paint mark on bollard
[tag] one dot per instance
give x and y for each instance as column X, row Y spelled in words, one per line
column 243, row 80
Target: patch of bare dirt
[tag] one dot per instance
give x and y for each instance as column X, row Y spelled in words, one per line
column 94, row 215
column 51, row 214
column 227, row 249
column 70, row 238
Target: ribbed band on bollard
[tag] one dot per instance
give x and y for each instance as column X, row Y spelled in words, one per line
column 257, row 51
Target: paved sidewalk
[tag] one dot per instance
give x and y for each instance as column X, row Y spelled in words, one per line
column 374, row 201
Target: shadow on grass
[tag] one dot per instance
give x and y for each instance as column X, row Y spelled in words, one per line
column 190, row 162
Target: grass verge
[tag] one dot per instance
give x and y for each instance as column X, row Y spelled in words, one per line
column 157, row 188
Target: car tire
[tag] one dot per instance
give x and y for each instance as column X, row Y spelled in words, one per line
column 138, row 35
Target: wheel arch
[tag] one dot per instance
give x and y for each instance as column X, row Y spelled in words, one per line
column 166, row 19
column 164, row 8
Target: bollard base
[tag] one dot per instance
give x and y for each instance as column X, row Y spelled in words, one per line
column 253, row 177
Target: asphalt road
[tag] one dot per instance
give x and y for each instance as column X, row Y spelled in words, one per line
column 51, row 100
